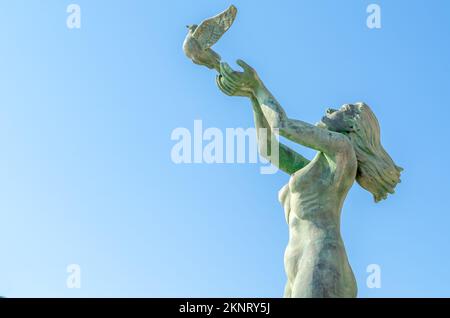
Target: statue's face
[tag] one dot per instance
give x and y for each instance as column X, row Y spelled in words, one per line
column 339, row 120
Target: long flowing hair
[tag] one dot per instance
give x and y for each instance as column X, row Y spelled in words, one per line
column 377, row 172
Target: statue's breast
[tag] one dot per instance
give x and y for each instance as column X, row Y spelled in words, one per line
column 309, row 189
column 315, row 176
column 284, row 198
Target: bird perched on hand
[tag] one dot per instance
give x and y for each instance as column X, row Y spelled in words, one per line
column 198, row 42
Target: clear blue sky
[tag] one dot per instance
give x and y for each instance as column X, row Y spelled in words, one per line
column 85, row 122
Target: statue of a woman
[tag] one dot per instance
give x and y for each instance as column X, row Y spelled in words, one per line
column 348, row 147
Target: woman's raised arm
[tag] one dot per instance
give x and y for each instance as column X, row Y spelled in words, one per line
column 247, row 83
column 288, row 160
column 285, row 158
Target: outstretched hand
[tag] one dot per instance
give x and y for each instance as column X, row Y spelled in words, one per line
column 234, row 83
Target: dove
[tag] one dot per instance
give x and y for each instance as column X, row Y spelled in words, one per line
column 200, row 38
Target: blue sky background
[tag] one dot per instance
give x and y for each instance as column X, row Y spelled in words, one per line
column 85, row 122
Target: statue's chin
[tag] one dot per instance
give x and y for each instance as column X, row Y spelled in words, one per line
column 321, row 124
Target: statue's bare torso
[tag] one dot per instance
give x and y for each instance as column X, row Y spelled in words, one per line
column 315, row 259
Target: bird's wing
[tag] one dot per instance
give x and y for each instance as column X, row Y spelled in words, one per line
column 212, row 29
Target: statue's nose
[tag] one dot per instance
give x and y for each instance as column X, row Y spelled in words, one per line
column 330, row 110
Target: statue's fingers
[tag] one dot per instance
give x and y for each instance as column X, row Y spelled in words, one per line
column 228, row 72
column 221, row 86
column 232, row 79
column 245, row 66
column 229, row 82
column 225, row 68
column 228, row 85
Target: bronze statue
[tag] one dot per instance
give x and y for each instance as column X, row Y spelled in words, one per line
column 347, row 141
